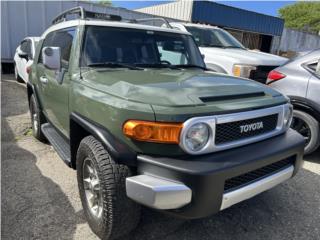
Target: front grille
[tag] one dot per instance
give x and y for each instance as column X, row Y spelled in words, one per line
column 253, row 176
column 261, row 73
column 231, row 131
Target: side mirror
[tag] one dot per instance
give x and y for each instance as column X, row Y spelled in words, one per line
column 51, row 57
column 23, row 54
column 203, row 56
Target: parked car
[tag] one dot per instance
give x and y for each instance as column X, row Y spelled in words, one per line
column 224, row 53
column 300, row 80
column 23, row 58
column 143, row 122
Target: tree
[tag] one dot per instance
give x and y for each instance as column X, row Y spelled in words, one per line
column 105, row 2
column 302, row 16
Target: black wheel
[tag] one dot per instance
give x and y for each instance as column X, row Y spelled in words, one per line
column 109, row 212
column 36, row 119
column 16, row 75
column 308, row 127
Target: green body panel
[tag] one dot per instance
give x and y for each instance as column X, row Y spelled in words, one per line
column 111, row 96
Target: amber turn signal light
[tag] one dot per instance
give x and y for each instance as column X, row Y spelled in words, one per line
column 153, row 131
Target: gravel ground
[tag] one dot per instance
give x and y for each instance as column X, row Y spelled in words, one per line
column 39, row 195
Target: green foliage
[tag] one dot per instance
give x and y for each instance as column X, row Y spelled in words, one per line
column 105, row 2
column 302, row 16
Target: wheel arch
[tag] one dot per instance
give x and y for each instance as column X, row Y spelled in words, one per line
column 306, row 105
column 81, row 127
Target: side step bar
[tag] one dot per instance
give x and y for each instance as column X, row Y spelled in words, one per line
column 255, row 188
column 157, row 193
column 60, row 144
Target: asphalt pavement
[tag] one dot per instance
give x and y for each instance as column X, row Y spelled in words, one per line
column 39, row 195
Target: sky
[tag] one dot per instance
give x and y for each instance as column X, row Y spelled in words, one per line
column 265, row 7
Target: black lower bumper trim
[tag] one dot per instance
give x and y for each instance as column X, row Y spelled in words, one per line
column 206, row 175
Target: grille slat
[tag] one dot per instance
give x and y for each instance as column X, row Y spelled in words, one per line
column 261, row 73
column 228, row 132
column 250, row 177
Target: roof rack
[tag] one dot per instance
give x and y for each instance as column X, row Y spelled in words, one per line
column 84, row 14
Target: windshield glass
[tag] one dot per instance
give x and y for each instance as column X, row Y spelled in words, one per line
column 109, row 45
column 211, row 37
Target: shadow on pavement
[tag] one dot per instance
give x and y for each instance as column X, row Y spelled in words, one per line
column 33, row 206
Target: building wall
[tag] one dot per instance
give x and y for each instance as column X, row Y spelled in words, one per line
column 218, row 14
column 297, row 41
column 181, row 10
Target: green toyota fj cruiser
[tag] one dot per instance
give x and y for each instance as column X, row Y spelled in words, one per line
column 134, row 110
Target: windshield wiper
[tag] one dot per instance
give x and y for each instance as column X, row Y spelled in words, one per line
column 233, row 47
column 114, row 65
column 190, row 66
column 157, row 65
column 212, row 45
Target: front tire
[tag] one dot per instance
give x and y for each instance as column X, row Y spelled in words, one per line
column 308, row 127
column 36, row 119
column 101, row 181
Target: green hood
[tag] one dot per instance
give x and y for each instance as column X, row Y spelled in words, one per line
column 173, row 88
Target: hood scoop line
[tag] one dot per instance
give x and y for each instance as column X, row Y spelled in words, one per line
column 231, row 97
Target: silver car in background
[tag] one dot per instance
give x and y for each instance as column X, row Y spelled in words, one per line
column 299, row 79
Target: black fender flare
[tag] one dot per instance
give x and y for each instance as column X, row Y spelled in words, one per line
column 303, row 104
column 119, row 151
column 32, row 90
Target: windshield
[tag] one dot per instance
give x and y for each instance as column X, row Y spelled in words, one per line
column 123, row 47
column 213, row 37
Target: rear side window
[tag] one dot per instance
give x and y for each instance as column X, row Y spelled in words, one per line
column 63, row 39
column 313, row 66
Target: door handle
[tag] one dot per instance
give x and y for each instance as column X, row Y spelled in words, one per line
column 43, row 80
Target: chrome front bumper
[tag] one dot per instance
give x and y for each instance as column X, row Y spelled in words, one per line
column 255, row 188
column 163, row 194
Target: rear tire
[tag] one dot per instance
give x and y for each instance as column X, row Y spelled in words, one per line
column 36, row 119
column 307, row 126
column 16, row 75
column 101, row 181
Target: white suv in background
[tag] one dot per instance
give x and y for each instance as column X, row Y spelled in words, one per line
column 224, row 53
column 23, row 58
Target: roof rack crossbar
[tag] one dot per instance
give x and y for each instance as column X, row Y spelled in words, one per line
column 62, row 16
column 152, row 19
column 83, row 14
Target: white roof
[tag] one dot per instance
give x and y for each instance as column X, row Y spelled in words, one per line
column 119, row 24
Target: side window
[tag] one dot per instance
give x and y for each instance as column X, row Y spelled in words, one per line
column 64, row 39
column 46, row 43
column 28, row 49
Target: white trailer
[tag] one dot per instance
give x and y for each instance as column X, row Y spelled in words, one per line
column 20, row 19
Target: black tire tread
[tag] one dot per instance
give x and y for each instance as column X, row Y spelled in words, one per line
column 34, row 106
column 121, row 215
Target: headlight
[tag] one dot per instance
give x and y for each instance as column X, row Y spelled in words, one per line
column 197, row 137
column 287, row 118
column 242, row 70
